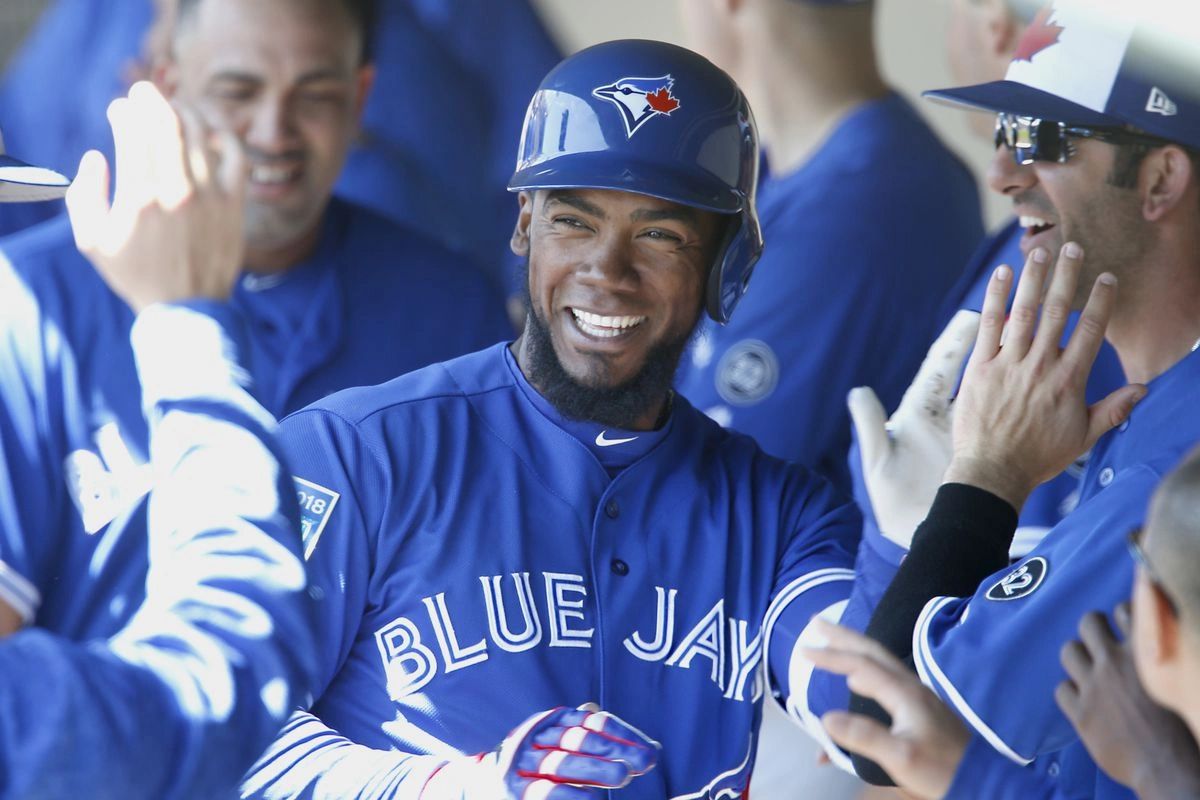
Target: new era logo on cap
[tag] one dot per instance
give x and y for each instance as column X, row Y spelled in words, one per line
column 1159, row 103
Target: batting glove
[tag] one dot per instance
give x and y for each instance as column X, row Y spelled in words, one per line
column 904, row 458
column 561, row 754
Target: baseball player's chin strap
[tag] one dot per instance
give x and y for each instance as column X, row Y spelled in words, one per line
column 964, row 539
column 561, row 754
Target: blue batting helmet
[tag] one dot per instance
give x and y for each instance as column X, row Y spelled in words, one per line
column 655, row 119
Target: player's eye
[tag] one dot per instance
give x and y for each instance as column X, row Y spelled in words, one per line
column 233, row 93
column 660, row 235
column 569, row 222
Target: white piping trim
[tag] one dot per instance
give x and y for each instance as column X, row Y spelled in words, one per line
column 933, row 677
column 17, row 591
column 789, row 593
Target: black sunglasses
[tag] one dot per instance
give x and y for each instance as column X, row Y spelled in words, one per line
column 1030, row 139
column 1139, row 558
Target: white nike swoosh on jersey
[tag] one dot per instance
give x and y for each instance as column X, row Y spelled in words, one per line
column 602, row 441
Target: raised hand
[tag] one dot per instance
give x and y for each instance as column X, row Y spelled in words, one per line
column 560, row 754
column 903, row 460
column 174, row 229
column 1021, row 416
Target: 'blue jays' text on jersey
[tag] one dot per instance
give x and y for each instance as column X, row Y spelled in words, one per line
column 178, row 702
column 375, row 301
column 479, row 561
column 863, row 243
column 994, row 656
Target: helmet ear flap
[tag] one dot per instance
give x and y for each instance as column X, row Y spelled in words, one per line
column 734, row 264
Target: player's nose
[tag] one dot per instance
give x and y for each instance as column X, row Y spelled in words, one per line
column 271, row 125
column 609, row 264
column 1005, row 176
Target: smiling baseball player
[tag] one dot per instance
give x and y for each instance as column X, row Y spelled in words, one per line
column 505, row 537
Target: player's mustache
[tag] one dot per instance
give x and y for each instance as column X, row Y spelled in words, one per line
column 1029, row 201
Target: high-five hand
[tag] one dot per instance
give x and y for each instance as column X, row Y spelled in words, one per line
column 1021, row 416
column 174, row 229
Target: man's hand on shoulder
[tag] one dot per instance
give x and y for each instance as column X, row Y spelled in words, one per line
column 174, row 229
column 1134, row 740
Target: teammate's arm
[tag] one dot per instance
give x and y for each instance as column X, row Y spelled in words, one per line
column 1021, row 418
column 178, row 702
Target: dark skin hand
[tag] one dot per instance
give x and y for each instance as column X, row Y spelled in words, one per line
column 1134, row 740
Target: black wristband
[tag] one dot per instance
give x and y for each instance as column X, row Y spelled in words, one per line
column 964, row 539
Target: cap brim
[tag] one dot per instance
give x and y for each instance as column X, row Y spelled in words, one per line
column 1016, row 98
column 24, row 183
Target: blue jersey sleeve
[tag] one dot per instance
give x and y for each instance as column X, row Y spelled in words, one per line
column 178, row 702
column 29, row 472
column 814, row 579
column 311, row 760
column 1019, row 618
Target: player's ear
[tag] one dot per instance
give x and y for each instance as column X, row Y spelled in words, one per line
column 1003, row 30
column 1168, row 178
column 164, row 73
column 364, row 80
column 1166, row 628
column 519, row 243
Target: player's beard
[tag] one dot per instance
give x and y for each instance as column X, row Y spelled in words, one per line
column 619, row 406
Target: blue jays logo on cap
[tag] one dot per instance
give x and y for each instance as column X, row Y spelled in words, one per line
column 639, row 99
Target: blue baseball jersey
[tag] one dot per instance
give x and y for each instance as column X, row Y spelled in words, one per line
column 55, row 92
column 480, row 558
column 375, row 301
column 863, row 243
column 177, row 703
column 1020, row 618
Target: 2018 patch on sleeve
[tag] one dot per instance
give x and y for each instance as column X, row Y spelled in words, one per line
column 1021, row 582
column 316, row 506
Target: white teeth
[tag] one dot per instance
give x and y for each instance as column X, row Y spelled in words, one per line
column 1033, row 222
column 261, row 173
column 604, row 327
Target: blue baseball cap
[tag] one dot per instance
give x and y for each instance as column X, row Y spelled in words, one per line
column 1103, row 64
column 25, row 183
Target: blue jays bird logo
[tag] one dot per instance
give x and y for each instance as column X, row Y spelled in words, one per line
column 639, row 99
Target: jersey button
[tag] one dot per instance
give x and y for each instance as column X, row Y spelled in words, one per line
column 619, row 567
column 612, row 509
column 1124, row 426
column 1106, row 476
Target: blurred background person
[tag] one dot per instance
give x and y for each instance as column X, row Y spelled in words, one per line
column 451, row 81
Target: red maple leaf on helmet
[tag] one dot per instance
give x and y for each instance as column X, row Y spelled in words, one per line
column 661, row 101
column 1040, row 35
